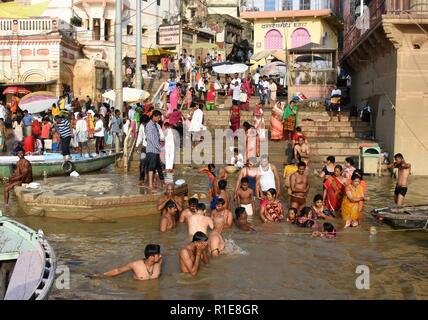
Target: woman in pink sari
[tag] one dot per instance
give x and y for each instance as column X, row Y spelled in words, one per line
column 173, row 99
column 247, row 88
column 276, row 126
column 334, row 190
column 252, row 141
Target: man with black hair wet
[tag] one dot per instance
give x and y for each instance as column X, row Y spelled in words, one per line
column 222, row 211
column 191, row 255
column 190, row 211
column 404, row 171
column 241, row 219
column 168, row 217
column 143, row 269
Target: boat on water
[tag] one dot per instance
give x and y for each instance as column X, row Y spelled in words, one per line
column 409, row 217
column 52, row 164
column 27, row 262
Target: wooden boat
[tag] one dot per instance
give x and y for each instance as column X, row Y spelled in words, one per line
column 52, row 164
column 411, row 217
column 27, row 262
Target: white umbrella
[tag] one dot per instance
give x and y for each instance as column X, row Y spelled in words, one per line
column 228, row 68
column 129, row 95
column 37, row 102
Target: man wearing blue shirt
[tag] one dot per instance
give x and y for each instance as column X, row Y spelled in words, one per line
column 27, row 120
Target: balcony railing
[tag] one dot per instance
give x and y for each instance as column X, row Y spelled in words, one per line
column 355, row 28
column 290, row 5
column 33, row 26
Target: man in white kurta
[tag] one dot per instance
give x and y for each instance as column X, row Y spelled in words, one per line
column 196, row 124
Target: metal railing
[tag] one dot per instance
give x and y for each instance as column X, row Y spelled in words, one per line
column 378, row 8
column 291, row 5
column 30, row 26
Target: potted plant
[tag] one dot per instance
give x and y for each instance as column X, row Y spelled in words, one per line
column 76, row 21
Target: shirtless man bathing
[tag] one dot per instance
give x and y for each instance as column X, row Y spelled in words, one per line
column 199, row 221
column 190, row 211
column 169, row 196
column 222, row 211
column 192, row 254
column 404, row 171
column 22, row 174
column 215, row 239
column 143, row 269
column 168, row 217
column 299, row 184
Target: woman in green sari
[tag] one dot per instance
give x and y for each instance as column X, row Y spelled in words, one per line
column 290, row 119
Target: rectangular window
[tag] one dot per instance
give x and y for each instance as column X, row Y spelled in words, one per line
column 96, row 29
column 158, row 2
column 129, row 29
column 305, row 4
column 270, row 5
column 287, row 5
column 107, row 29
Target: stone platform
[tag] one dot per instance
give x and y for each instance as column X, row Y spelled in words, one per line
column 95, row 197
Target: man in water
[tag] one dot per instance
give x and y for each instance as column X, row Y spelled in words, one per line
column 192, row 254
column 143, row 269
column 198, row 221
column 245, row 197
column 241, row 220
column 22, row 174
column 168, row 217
column 404, row 170
column 169, row 196
column 222, row 211
column 301, row 151
column 215, row 239
column 267, row 178
column 190, row 211
column 299, row 185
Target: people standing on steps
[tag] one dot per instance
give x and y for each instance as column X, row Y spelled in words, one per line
column 335, row 103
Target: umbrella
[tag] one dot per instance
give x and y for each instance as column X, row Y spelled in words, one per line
column 129, row 95
column 204, row 45
column 228, row 68
column 16, row 90
column 37, row 102
column 278, row 54
column 274, row 68
column 157, row 52
column 308, row 58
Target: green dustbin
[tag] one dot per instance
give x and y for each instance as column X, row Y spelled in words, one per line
column 371, row 157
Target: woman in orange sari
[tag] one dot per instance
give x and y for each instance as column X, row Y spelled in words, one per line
column 351, row 208
column 276, row 126
column 334, row 189
column 247, row 88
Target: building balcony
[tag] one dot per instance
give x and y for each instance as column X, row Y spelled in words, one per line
column 356, row 27
column 259, row 9
column 28, row 26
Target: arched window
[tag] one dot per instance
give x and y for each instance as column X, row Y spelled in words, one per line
column 273, row 40
column 300, row 37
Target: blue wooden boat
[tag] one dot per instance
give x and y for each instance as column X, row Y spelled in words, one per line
column 27, row 262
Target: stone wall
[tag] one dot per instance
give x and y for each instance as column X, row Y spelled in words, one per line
column 412, row 98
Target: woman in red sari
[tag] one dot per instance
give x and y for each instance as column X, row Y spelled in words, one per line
column 334, row 190
column 235, row 118
column 247, row 88
column 271, row 208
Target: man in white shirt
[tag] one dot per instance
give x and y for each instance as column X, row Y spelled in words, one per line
column 265, row 90
column 236, row 91
column 188, row 64
column 82, row 134
column 256, row 78
column 131, row 112
column 196, row 125
column 236, row 78
column 99, row 134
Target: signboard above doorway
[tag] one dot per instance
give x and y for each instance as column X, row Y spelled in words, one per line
column 169, row 35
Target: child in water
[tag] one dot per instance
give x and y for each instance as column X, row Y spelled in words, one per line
column 213, row 175
column 319, row 210
column 292, row 216
column 241, row 220
column 306, row 219
column 328, row 232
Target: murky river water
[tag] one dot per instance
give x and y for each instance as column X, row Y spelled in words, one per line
column 277, row 265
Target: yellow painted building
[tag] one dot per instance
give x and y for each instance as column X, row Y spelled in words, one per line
column 309, row 37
